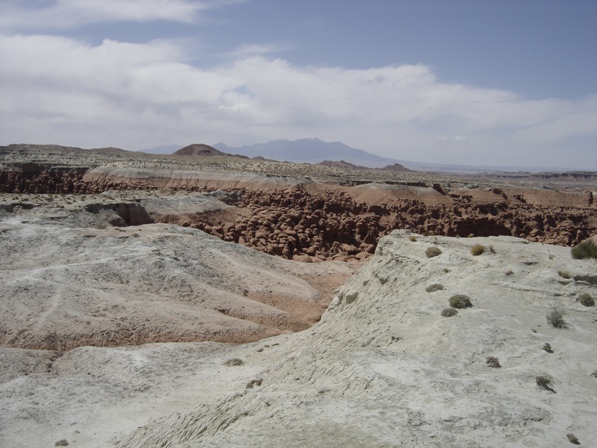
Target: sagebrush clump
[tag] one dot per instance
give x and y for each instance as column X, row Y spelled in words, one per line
column 556, row 318
column 547, row 347
column 493, row 362
column 586, row 249
column 586, row 299
column 434, row 287
column 449, row 312
column 460, row 301
column 234, row 362
column 544, row 383
column 433, row 252
column 477, row 249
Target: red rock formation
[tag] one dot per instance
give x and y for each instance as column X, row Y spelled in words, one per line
column 324, row 221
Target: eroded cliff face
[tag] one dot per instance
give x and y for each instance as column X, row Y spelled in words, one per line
column 307, row 220
column 40, row 178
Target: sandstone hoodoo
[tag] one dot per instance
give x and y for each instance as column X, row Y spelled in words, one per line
column 317, row 211
column 125, row 322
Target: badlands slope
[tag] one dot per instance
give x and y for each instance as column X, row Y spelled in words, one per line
column 382, row 368
column 124, row 324
column 71, row 279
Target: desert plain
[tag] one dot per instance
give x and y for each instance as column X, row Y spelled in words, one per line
column 207, row 300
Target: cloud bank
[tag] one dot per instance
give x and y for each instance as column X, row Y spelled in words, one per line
column 65, row 14
column 61, row 90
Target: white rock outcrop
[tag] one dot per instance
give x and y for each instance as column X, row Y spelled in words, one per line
column 383, row 367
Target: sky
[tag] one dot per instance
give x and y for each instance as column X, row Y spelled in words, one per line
column 474, row 82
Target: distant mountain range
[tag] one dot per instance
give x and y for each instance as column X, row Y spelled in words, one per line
column 314, row 151
column 309, row 150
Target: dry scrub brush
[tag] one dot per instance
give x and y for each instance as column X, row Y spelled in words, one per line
column 460, row 301
column 556, row 318
column 586, row 299
column 449, row 312
column 544, row 383
column 493, row 362
column 434, row 287
column 586, row 249
column 477, row 249
column 433, row 252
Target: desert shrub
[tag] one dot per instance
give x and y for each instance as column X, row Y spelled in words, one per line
column 586, row 249
column 544, row 382
column 62, row 442
column 509, row 273
column 594, row 374
column 460, row 301
column 433, row 252
column 234, row 362
column 564, row 274
column 492, row 361
column 434, row 287
column 586, row 299
column 255, row 382
column 413, row 238
column 573, row 439
column 547, row 347
column 449, row 312
column 477, row 249
column 556, row 318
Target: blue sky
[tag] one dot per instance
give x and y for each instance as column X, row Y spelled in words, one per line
column 480, row 82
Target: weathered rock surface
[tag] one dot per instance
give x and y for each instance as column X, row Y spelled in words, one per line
column 327, row 209
column 382, row 368
column 70, row 280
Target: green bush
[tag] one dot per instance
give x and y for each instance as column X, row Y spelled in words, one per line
column 586, row 299
column 434, row 287
column 586, row 249
column 433, row 252
column 460, row 301
column 477, row 249
column 556, row 318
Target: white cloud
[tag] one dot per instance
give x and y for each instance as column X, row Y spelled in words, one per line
column 59, row 90
column 63, row 14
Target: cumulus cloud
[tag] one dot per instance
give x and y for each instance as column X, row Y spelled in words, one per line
column 63, row 14
column 60, row 90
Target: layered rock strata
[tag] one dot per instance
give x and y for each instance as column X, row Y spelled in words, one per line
column 312, row 220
